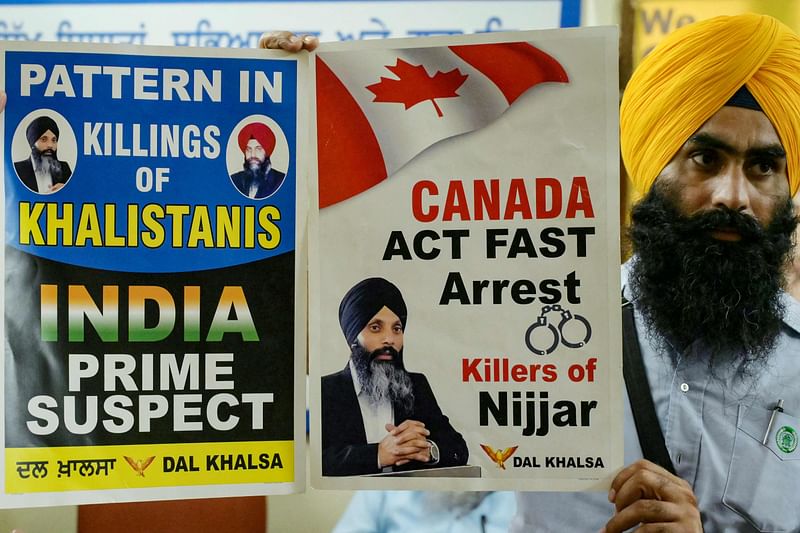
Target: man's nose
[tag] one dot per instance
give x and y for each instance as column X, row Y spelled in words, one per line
column 732, row 190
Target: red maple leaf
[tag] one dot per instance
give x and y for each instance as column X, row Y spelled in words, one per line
column 413, row 85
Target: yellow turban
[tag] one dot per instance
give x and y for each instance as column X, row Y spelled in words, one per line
column 689, row 77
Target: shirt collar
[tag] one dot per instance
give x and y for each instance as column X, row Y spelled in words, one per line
column 791, row 314
column 354, row 375
column 624, row 274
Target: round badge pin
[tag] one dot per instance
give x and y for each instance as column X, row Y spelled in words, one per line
column 786, row 439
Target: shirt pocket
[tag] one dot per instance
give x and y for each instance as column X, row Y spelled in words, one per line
column 764, row 480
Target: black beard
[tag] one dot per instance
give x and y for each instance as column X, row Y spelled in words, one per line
column 46, row 161
column 692, row 287
column 383, row 380
column 256, row 170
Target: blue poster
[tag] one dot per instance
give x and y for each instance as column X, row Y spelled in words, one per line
column 152, row 301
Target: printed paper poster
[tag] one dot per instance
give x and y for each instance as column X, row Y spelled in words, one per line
column 239, row 24
column 154, row 289
column 465, row 264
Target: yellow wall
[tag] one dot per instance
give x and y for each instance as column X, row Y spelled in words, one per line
column 656, row 18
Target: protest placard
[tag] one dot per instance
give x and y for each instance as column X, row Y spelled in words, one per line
column 239, row 24
column 154, row 287
column 464, row 263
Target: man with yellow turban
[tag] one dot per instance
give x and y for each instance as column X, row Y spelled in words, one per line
column 709, row 127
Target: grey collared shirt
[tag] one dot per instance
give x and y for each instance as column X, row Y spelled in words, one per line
column 713, row 422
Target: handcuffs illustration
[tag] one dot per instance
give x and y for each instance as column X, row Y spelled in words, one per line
column 557, row 331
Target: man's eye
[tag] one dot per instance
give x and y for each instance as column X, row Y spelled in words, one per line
column 374, row 327
column 764, row 167
column 398, row 329
column 704, row 159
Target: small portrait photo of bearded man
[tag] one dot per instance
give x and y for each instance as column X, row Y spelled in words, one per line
column 377, row 416
column 256, row 176
column 37, row 160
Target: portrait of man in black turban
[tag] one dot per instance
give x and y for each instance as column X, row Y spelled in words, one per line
column 377, row 416
column 42, row 172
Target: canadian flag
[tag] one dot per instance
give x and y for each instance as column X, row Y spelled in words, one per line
column 378, row 109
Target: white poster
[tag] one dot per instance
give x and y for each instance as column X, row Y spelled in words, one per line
column 464, row 264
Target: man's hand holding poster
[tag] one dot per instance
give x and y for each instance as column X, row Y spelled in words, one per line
column 153, row 307
column 464, row 259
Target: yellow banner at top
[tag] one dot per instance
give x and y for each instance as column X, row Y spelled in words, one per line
column 657, row 18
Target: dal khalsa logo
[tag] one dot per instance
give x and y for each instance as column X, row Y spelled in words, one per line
column 499, row 456
column 139, row 465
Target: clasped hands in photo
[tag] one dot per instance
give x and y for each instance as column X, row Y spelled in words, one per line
column 404, row 443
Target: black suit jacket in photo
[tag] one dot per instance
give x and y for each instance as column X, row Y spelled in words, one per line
column 345, row 450
column 26, row 173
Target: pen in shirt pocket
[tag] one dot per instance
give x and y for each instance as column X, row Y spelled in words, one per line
column 775, row 410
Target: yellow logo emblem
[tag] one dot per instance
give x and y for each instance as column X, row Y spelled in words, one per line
column 139, row 465
column 499, row 456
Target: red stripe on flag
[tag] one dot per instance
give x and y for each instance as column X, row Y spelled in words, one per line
column 513, row 67
column 349, row 156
